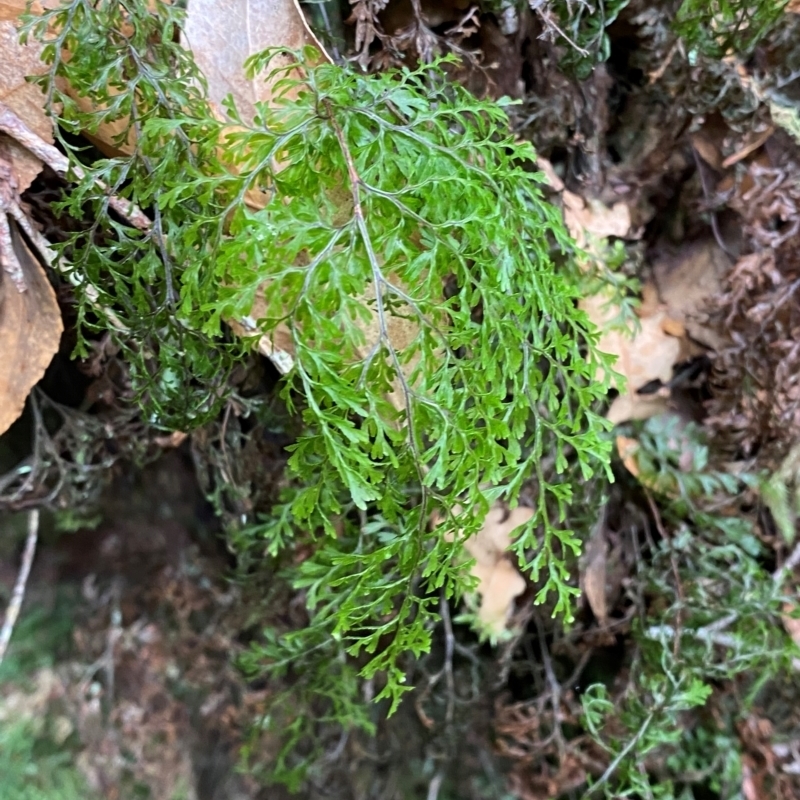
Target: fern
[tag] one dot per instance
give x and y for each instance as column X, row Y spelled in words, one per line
column 716, row 620
column 724, row 27
column 391, row 189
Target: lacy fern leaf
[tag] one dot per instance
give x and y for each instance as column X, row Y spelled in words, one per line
column 397, row 196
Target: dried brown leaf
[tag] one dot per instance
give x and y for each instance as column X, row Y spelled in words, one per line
column 594, row 573
column 592, row 217
column 499, row 580
column 708, row 149
column 643, row 356
column 222, row 34
column 627, row 448
column 30, row 332
column 687, row 281
column 550, row 173
column 24, row 98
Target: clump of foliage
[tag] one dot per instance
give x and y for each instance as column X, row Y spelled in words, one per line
column 41, row 636
column 579, row 27
column 36, row 755
column 710, row 29
column 584, row 27
column 34, row 767
column 440, row 225
column 723, row 27
column 715, row 620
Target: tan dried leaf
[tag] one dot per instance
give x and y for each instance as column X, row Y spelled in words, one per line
column 707, row 148
column 12, row 10
column 687, row 281
column 586, row 218
column 30, row 332
column 642, row 356
column 25, row 99
column 499, row 580
column 593, row 573
column 222, row 34
column 548, row 170
column 627, row 448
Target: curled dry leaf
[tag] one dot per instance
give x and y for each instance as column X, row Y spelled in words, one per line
column 549, row 172
column 30, row 331
column 707, row 148
column 670, row 309
column 594, row 572
column 643, row 356
column 687, row 281
column 223, row 34
column 672, row 319
column 499, row 580
column 587, row 218
column 627, row 448
column 24, row 98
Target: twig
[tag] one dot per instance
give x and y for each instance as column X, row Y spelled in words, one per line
column 12, row 125
column 618, row 760
column 50, row 258
column 337, row 751
column 579, row 668
column 550, row 26
column 449, row 640
column 10, row 208
column 22, row 579
column 659, row 73
column 675, row 572
column 9, row 263
column 450, row 645
column 787, row 566
column 434, row 786
column 555, row 690
column 712, row 212
column 711, row 633
column 112, row 638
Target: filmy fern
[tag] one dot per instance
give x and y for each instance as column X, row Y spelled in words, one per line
column 724, row 27
column 716, row 620
column 397, row 196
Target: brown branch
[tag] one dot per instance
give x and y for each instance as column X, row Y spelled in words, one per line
column 9, row 263
column 22, row 579
column 14, row 127
column 676, row 646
